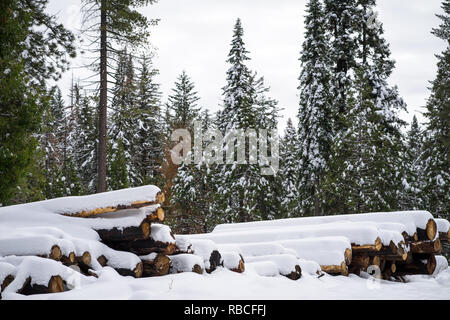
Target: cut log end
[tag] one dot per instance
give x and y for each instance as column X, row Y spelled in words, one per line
column 431, row 264
column 393, row 267
column 378, row 244
column 85, row 259
column 160, row 197
column 375, row 261
column 146, row 229
column 56, row 284
column 139, row 270
column 348, row 256
column 6, row 282
column 159, row 266
column 431, row 229
column 197, row 269
column 55, row 253
column 102, row 260
column 240, row 268
column 68, row 260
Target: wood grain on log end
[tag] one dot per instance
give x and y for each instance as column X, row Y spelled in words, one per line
column 197, row 269
column 55, row 253
column 431, row 229
column 348, row 256
column 6, row 282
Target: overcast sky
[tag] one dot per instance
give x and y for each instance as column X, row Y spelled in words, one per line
column 195, row 35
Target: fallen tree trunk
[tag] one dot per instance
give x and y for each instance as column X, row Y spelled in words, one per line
column 370, row 248
column 427, row 246
column 114, row 208
column 143, row 247
column 55, row 285
column 126, row 234
column 430, row 231
column 336, row 270
column 418, row 266
column 155, row 265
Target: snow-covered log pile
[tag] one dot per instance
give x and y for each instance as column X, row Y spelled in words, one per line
column 394, row 243
column 43, row 245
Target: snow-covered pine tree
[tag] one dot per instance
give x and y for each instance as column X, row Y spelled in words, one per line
column 340, row 17
column 243, row 191
column 148, row 143
column 289, row 175
column 367, row 155
column 183, row 103
column 412, row 197
column 437, row 141
column 193, row 192
column 53, row 144
column 315, row 130
column 122, row 125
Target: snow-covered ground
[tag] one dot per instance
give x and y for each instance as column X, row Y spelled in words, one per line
column 227, row 285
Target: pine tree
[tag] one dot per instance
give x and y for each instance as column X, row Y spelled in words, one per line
column 437, row 140
column 289, row 175
column 243, row 193
column 412, row 197
column 315, row 112
column 183, row 103
column 367, row 156
column 148, row 142
column 122, row 124
column 33, row 49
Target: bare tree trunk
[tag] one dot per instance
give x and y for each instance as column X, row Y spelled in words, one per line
column 103, row 102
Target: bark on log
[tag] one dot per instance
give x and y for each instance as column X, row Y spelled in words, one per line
column 336, row 270
column 430, row 231
column 361, row 249
column 427, row 246
column 143, row 247
column 160, row 198
column 418, row 266
column 126, row 234
column 160, row 266
column 444, row 236
column 55, row 285
column 136, row 272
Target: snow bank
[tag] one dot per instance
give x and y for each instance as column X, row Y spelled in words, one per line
column 410, row 219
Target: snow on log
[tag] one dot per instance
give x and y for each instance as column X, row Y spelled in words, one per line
column 443, row 227
column 86, row 206
column 233, row 261
column 183, row 245
column 155, row 264
column 186, row 263
column 126, row 234
column 323, row 250
column 209, row 251
column 441, row 265
column 309, row 267
column 362, row 237
column 262, row 268
column 35, row 275
column 287, row 265
column 155, row 216
column 411, row 220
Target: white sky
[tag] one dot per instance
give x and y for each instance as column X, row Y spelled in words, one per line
column 195, row 35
